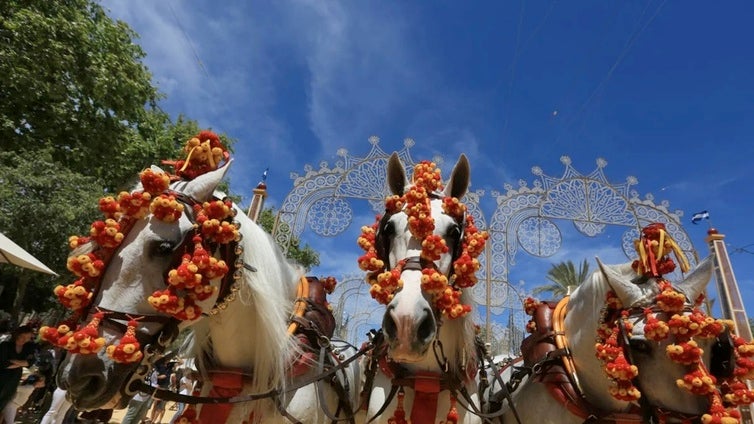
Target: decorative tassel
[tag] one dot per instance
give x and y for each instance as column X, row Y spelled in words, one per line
column 86, row 340
column 128, row 350
column 452, row 417
column 399, row 415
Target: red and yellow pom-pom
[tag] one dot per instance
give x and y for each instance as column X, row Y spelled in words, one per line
column 86, row 340
column 433, row 281
column 453, row 207
column 433, row 247
column 153, row 182
column 394, row 203
column 166, row 208
column 465, row 268
column 367, row 238
column 620, row 369
column 204, row 152
column 180, row 307
column 110, row 207
column 186, row 275
column 698, row 382
column 625, row 391
column 106, row 233
column 128, row 350
column 531, row 305
column 136, row 205
column 655, row 329
column 53, row 334
column 686, row 353
column 86, row 265
column 74, row 296
column 427, row 175
column 613, row 301
column 370, row 262
column 718, row 414
column 739, row 394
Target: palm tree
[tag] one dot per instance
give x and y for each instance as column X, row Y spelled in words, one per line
column 562, row 276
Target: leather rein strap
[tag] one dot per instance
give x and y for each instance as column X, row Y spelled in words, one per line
column 165, row 394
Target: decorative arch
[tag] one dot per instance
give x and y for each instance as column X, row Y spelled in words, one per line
column 526, row 220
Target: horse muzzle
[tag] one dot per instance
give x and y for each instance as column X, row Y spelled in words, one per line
column 409, row 335
column 93, row 383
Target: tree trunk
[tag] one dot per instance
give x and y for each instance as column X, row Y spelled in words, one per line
column 23, row 282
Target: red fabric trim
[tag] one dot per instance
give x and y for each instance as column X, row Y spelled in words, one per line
column 225, row 383
column 426, row 389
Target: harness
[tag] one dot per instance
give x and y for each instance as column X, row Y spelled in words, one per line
column 311, row 323
column 547, row 359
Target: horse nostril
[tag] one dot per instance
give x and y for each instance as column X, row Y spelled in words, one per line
column 426, row 330
column 388, row 324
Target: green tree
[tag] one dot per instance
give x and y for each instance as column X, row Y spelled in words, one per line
column 562, row 276
column 78, row 120
column 306, row 256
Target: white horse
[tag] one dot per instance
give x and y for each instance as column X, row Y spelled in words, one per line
column 246, row 339
column 427, row 363
column 579, row 391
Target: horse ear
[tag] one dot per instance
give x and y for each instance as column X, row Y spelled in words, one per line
column 619, row 279
column 396, row 175
column 459, row 178
column 202, row 187
column 696, row 281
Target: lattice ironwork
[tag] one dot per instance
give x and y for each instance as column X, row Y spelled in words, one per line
column 527, row 219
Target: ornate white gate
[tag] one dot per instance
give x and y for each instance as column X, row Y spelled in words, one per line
column 526, row 220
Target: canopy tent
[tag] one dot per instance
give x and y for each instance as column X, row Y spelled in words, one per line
column 11, row 253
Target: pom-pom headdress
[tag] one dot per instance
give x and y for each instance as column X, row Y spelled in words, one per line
column 188, row 282
column 684, row 327
column 445, row 290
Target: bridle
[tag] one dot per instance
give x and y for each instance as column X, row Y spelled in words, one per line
column 155, row 344
column 643, row 410
column 722, row 363
column 445, row 380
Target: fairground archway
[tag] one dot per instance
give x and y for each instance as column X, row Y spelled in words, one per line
column 527, row 220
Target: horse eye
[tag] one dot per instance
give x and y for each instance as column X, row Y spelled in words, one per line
column 388, row 229
column 640, row 346
column 163, row 248
column 454, row 233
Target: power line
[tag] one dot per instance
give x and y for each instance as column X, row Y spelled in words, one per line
column 743, row 249
column 626, row 48
column 188, row 41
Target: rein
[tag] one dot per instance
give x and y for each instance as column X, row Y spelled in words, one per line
column 165, row 394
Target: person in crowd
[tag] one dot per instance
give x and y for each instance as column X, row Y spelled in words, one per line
column 58, row 408
column 15, row 354
column 185, row 387
column 139, row 405
column 163, row 370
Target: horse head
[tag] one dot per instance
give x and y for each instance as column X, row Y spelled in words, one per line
column 136, row 270
column 654, row 343
column 410, row 323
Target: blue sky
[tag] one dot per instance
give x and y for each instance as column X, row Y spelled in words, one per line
column 661, row 90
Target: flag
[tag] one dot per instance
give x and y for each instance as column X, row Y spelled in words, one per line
column 699, row 216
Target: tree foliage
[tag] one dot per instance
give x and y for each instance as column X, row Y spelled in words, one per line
column 305, row 256
column 78, row 120
column 562, row 276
